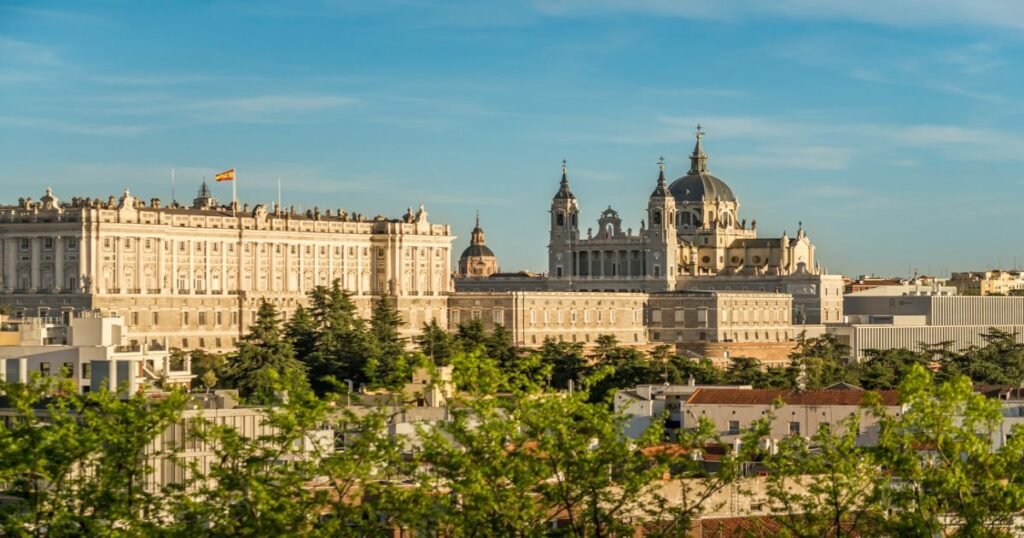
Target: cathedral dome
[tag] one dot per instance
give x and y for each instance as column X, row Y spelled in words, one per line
column 477, row 250
column 698, row 186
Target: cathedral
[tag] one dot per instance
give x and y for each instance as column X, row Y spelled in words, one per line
column 477, row 260
column 693, row 228
column 693, row 238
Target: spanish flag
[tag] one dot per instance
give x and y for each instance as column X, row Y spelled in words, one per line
column 227, row 175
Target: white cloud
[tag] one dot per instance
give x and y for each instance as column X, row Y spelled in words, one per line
column 902, row 13
column 24, row 52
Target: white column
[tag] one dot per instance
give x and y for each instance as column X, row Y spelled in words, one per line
column 58, row 263
column 35, row 274
column 11, row 263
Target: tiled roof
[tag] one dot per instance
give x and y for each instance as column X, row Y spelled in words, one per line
column 790, row 397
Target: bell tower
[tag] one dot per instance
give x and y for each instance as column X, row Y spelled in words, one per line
column 660, row 234
column 565, row 234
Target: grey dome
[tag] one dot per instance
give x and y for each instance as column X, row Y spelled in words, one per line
column 695, row 187
column 477, row 250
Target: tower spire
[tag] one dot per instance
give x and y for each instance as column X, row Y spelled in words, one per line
column 563, row 188
column 698, row 159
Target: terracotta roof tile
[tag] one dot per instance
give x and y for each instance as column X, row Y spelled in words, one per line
column 790, row 397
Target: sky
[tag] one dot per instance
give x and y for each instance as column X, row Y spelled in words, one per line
column 892, row 130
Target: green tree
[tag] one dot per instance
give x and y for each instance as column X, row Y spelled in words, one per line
column 566, row 360
column 78, row 465
column 471, row 335
column 209, row 368
column 343, row 344
column 436, row 343
column 263, row 359
column 947, row 478
column 825, row 485
column 744, row 371
column 301, row 331
column 390, row 366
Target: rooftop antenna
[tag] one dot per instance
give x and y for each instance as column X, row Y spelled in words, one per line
column 278, row 192
column 173, row 200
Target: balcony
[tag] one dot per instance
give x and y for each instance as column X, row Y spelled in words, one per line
column 153, row 291
column 128, row 348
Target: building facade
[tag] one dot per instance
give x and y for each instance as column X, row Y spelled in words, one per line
column 531, row 317
column 988, row 282
column 913, row 321
column 194, row 276
column 693, row 238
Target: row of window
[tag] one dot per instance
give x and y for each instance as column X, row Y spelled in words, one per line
column 48, row 243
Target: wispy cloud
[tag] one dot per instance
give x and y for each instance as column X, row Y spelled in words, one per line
column 25, row 52
column 72, row 127
column 902, row 13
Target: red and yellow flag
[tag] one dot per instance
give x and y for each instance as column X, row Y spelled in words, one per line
column 227, row 175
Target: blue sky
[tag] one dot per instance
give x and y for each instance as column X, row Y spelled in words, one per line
column 891, row 129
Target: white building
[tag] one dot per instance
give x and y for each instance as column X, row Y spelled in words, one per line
column 194, row 276
column 91, row 350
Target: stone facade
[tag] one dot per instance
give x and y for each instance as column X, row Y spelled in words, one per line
column 194, row 276
column 692, row 238
column 564, row 316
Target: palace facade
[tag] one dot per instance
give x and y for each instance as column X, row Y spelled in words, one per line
column 194, row 276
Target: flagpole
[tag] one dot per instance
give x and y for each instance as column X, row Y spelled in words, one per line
column 279, row 193
column 234, row 193
column 172, row 187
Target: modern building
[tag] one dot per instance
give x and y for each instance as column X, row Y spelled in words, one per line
column 910, row 321
column 995, row 282
column 531, row 317
column 802, row 412
column 477, row 260
column 91, row 350
column 693, row 238
column 193, row 276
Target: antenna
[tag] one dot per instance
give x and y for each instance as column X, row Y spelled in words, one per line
column 173, row 200
column 278, row 192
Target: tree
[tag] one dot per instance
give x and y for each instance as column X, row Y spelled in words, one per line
column 824, row 486
column 77, row 465
column 567, row 362
column 389, row 367
column 301, row 331
column 946, row 475
column 884, row 369
column 471, row 335
column 435, row 343
column 209, row 368
column 343, row 343
column 263, row 359
column 501, row 348
column 743, row 371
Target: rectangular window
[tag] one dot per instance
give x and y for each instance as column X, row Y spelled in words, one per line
column 499, row 317
column 72, row 243
column 48, row 243
column 44, row 368
column 184, row 343
column 106, row 243
column 24, row 244
column 219, row 319
column 734, row 427
column 794, row 428
column 202, row 321
column 86, row 370
column 154, row 318
column 134, row 317
column 68, row 369
column 184, row 318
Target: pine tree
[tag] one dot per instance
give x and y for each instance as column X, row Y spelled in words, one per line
column 343, row 344
column 265, row 362
column 435, row 343
column 301, row 331
column 389, row 366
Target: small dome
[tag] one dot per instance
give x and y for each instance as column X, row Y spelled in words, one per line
column 473, row 251
column 699, row 186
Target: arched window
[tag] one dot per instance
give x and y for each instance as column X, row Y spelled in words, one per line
column 656, row 217
column 560, row 219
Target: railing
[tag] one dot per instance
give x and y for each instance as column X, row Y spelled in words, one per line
column 129, row 348
column 156, row 346
column 182, row 292
column 135, row 290
column 152, row 291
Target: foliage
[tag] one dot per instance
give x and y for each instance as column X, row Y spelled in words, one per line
column 264, row 358
column 390, row 366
